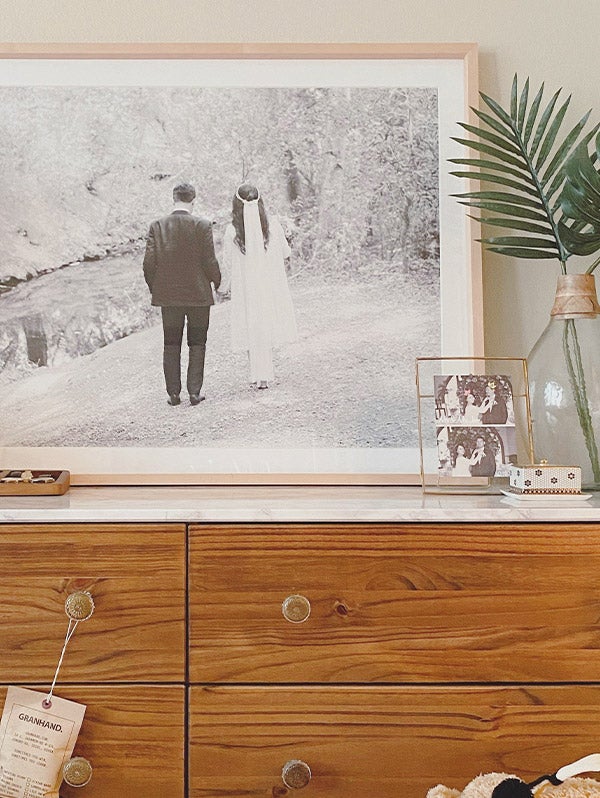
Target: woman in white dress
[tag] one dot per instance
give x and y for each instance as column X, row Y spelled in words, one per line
column 472, row 412
column 262, row 313
column 462, row 463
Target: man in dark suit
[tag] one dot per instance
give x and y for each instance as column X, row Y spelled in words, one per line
column 482, row 460
column 179, row 267
column 493, row 406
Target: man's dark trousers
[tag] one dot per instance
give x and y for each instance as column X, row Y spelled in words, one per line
column 174, row 319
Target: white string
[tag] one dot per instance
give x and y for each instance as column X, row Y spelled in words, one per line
column 47, row 702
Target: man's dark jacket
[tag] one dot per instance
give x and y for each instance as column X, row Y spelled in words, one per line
column 180, row 262
column 486, row 467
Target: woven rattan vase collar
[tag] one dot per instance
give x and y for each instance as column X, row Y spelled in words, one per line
column 575, row 297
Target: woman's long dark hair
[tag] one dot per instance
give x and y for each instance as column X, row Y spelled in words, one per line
column 247, row 192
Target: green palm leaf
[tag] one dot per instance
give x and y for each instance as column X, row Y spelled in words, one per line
column 489, row 150
column 502, row 196
column 580, row 202
column 582, row 176
column 565, row 148
column 577, row 205
column 523, row 252
column 542, row 126
column 514, row 146
column 495, row 166
column 513, row 224
column 497, row 109
column 498, row 141
column 532, row 115
column 551, row 135
column 561, row 173
column 508, row 209
column 503, row 181
column 513, row 100
column 491, row 122
column 520, row 241
column 522, row 103
column 580, row 243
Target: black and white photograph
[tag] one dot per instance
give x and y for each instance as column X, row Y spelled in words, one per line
column 476, row 451
column 230, row 270
column 474, row 400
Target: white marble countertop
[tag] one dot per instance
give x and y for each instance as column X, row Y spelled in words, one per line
column 285, row 504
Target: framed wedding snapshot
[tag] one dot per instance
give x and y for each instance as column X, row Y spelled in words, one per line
column 346, row 147
column 474, row 422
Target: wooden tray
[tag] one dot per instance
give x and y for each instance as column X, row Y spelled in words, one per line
column 62, row 481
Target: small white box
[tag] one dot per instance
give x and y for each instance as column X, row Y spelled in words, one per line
column 545, row 478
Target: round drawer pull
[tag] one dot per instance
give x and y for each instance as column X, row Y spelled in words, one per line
column 296, row 609
column 79, row 606
column 77, row 772
column 296, row 774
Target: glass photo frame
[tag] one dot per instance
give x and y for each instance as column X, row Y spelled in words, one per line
column 474, row 422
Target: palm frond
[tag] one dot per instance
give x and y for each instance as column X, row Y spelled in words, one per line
column 523, row 252
column 514, row 146
column 580, row 243
column 494, row 152
column 560, row 175
column 496, row 166
column 513, row 224
column 532, row 115
column 540, row 131
column 508, row 209
column 522, row 104
column 519, row 241
column 502, row 196
column 551, row 135
column 503, row 181
column 580, row 201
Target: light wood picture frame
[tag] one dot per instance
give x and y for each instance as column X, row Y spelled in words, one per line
column 335, row 416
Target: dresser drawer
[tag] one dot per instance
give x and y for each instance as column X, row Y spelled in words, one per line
column 405, row 603
column 381, row 741
column 126, row 733
column 136, row 575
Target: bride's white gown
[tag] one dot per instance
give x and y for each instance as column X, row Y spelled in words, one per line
column 262, row 313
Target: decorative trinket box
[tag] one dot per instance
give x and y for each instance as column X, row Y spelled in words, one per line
column 544, row 478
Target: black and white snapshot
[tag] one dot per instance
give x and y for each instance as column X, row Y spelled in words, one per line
column 475, row 425
column 216, row 267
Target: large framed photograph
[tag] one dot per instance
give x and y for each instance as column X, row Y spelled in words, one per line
column 219, row 262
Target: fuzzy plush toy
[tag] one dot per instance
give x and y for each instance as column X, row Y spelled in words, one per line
column 512, row 787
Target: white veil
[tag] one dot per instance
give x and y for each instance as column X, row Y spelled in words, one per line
column 258, row 293
column 255, row 245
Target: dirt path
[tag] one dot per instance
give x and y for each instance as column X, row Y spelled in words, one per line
column 348, row 382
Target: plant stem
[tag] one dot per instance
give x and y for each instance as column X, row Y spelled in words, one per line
column 578, row 386
column 593, row 266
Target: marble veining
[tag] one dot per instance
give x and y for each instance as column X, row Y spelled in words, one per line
column 214, row 504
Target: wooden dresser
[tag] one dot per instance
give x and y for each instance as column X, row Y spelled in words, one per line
column 359, row 642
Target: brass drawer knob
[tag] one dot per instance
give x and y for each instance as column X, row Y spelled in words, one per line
column 296, row 609
column 79, row 606
column 296, row 774
column 77, row 772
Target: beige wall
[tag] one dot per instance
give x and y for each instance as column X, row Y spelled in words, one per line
column 549, row 40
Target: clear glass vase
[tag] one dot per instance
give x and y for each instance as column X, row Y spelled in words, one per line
column 564, row 381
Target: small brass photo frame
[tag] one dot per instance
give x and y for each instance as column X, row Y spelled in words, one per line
column 474, row 422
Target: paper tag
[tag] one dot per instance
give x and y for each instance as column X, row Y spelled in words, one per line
column 35, row 743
